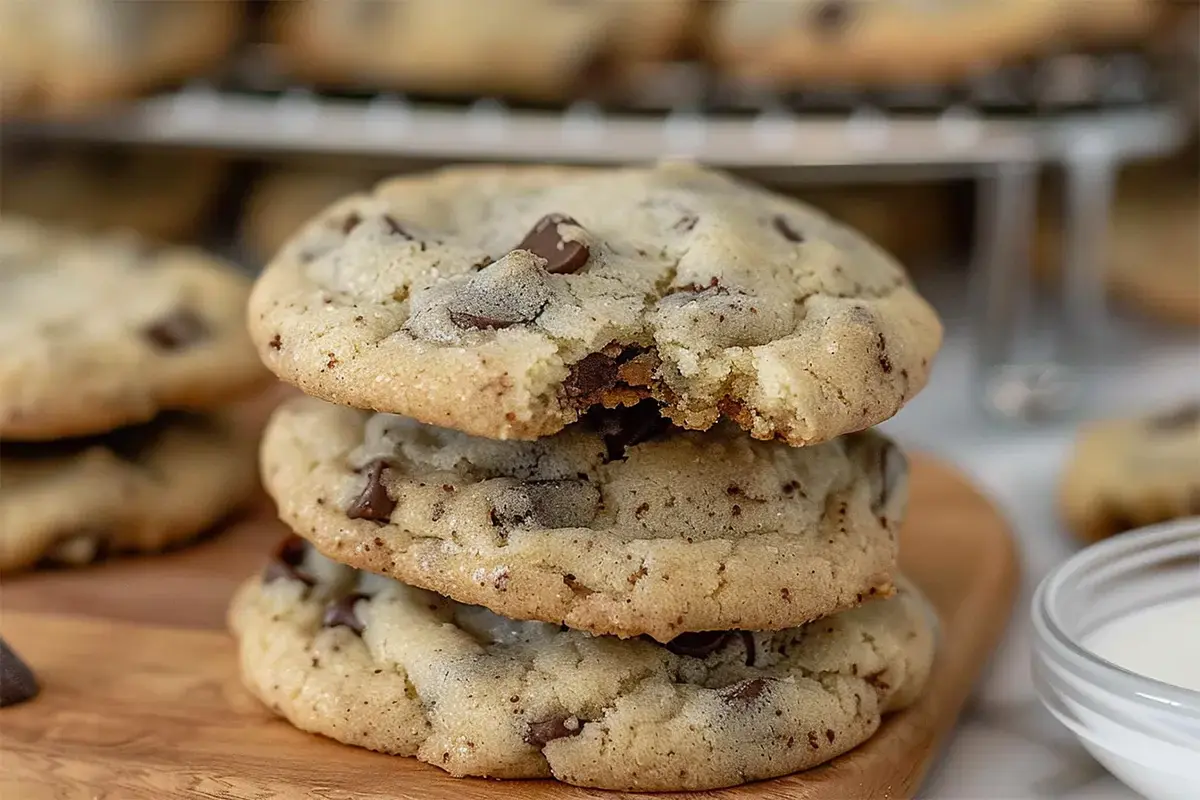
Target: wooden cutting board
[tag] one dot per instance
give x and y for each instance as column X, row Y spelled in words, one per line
column 141, row 697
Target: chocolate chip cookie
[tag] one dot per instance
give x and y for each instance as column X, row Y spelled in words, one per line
column 68, row 56
column 539, row 50
column 505, row 302
column 142, row 488
column 161, row 194
column 97, row 332
column 377, row 664
column 1124, row 474
column 618, row 525
column 802, row 43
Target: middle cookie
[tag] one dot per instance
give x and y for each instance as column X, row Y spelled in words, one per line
column 618, row 525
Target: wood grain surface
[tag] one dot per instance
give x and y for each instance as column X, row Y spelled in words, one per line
column 141, row 697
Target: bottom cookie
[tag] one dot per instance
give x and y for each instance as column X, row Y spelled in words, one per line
column 142, row 488
column 371, row 662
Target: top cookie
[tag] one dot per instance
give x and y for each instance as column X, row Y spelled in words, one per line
column 100, row 332
column 503, row 302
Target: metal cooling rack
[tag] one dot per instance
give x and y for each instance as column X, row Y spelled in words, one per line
column 1086, row 114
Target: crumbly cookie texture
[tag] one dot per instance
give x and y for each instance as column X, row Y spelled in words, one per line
column 618, row 525
column 371, row 662
column 504, row 302
column 104, row 331
column 138, row 489
column 1124, row 474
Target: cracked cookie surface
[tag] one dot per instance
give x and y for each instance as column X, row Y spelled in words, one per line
column 137, row 489
column 503, row 302
column 620, row 524
column 98, row 332
column 1124, row 474
column 374, row 663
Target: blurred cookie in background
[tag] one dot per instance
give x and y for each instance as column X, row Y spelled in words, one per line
column 1124, row 474
column 1152, row 251
column 1101, row 23
column 162, row 194
column 534, row 50
column 286, row 197
column 70, row 56
column 788, row 44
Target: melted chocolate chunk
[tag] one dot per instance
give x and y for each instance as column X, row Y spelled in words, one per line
column 374, row 502
column 622, row 428
column 17, row 682
column 352, row 221
column 742, row 695
column 540, row 733
column 341, row 612
column 698, row 644
column 562, row 256
column 287, row 561
column 786, row 230
column 1177, row 420
column 478, row 322
column 177, row 330
column 595, row 373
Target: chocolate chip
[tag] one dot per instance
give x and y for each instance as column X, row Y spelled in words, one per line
column 832, row 16
column 1176, row 420
column 595, row 373
column 374, row 502
column 562, row 256
column 341, row 612
column 276, row 342
column 786, row 230
column 686, row 223
column 885, row 363
column 540, row 733
column 475, row 321
column 893, row 467
column 698, row 644
column 743, row 694
column 17, row 682
column 352, row 221
column 287, row 561
column 395, row 228
column 177, row 330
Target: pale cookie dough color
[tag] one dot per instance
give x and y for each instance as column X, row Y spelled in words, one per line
column 139, row 489
column 618, row 525
column 377, row 664
column 1124, row 474
column 504, row 302
column 101, row 332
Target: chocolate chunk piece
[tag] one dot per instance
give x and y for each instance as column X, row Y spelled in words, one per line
column 743, row 695
column 540, row 733
column 287, row 562
column 374, row 502
column 352, row 221
column 625, row 427
column 1177, row 420
column 698, row 644
column 562, row 256
column 177, row 330
column 17, row 682
column 341, row 612
column 785, row 230
column 595, row 373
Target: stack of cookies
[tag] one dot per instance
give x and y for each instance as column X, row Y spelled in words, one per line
column 614, row 515
column 116, row 361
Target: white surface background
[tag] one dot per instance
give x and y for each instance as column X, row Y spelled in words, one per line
column 1007, row 746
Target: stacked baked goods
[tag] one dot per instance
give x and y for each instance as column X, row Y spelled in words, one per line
column 117, row 361
column 612, row 513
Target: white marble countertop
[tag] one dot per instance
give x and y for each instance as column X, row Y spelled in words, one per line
column 1007, row 746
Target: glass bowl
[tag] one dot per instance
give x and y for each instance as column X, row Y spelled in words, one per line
column 1144, row 731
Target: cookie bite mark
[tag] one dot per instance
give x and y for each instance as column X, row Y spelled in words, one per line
column 178, row 330
column 373, row 503
column 563, row 256
column 617, row 375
